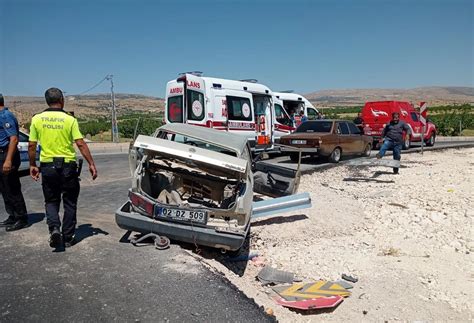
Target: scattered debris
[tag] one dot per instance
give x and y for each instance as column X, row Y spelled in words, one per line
column 398, row 204
column 250, row 256
column 258, row 261
column 344, row 284
column 394, row 252
column 351, row 279
column 160, row 242
column 374, row 162
column 302, row 291
column 269, row 275
column 311, row 304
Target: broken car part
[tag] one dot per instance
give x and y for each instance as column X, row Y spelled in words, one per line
column 312, row 304
column 300, row 291
column 351, row 279
column 269, row 275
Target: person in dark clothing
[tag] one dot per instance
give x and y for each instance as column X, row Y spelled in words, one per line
column 10, row 161
column 393, row 137
column 57, row 131
column 359, row 122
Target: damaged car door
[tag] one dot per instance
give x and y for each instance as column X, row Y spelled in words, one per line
column 275, row 181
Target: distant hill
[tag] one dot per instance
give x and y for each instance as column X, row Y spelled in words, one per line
column 434, row 95
column 85, row 106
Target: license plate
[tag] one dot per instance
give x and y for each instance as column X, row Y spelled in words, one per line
column 181, row 215
column 298, row 142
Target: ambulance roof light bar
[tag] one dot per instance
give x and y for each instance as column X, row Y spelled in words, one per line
column 249, row 80
column 195, row 73
column 287, row 91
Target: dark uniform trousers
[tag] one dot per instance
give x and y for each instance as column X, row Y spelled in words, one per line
column 10, row 186
column 59, row 182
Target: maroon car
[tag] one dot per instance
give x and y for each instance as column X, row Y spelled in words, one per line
column 328, row 138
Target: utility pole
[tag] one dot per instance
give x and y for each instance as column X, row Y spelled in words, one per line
column 115, row 134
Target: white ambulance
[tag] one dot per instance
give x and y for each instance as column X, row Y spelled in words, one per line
column 293, row 103
column 244, row 107
column 283, row 123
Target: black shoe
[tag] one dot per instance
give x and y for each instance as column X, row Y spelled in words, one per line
column 19, row 224
column 55, row 239
column 378, row 156
column 9, row 221
column 69, row 242
column 395, row 170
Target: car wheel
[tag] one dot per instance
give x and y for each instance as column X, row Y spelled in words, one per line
column 294, row 157
column 335, row 156
column 367, row 150
column 431, row 141
column 406, row 142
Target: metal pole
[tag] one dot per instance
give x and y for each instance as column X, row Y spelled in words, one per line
column 115, row 135
column 422, row 139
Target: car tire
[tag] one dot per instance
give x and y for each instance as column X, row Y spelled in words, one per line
column 335, row 156
column 431, row 141
column 367, row 150
column 406, row 142
column 294, row 157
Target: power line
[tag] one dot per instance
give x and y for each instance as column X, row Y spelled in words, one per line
column 93, row 87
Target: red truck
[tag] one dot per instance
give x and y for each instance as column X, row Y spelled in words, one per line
column 377, row 114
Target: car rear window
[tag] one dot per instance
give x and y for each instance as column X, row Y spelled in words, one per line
column 343, row 129
column 315, row 126
column 353, row 128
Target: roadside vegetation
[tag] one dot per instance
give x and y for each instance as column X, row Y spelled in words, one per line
column 99, row 128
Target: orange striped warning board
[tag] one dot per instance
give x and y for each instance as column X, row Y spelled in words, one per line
column 318, row 289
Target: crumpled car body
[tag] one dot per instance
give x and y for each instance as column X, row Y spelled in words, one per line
column 195, row 185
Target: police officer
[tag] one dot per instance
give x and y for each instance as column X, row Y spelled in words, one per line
column 393, row 137
column 10, row 185
column 57, row 131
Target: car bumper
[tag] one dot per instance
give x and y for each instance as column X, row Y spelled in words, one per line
column 295, row 149
column 133, row 221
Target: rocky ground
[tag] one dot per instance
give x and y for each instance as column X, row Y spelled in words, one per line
column 408, row 238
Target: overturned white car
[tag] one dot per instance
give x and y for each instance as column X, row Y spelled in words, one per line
column 196, row 185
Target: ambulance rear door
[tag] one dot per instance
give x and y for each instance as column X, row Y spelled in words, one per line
column 174, row 107
column 283, row 124
column 195, row 99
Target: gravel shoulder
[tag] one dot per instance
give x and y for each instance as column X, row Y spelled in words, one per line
column 408, row 238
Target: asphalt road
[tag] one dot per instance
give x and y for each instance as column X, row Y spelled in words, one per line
column 102, row 278
column 311, row 164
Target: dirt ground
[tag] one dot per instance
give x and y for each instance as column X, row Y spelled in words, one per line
column 407, row 237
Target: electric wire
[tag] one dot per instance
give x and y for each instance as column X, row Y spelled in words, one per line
column 96, row 85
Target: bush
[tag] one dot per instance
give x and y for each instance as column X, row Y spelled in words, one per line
column 450, row 124
column 146, row 126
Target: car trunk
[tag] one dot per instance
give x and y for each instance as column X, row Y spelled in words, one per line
column 185, row 176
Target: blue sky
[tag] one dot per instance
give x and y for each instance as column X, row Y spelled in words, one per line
column 299, row 45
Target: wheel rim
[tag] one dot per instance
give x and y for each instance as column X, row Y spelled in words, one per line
column 368, row 149
column 407, row 141
column 432, row 139
column 337, row 154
